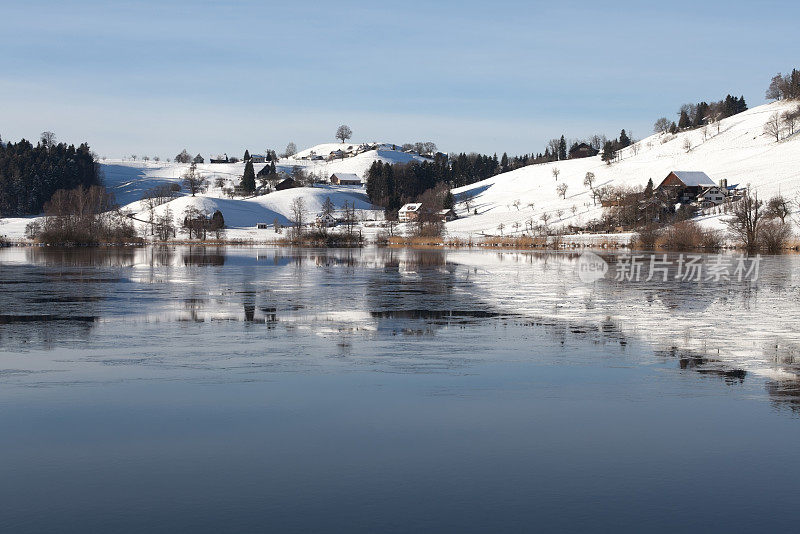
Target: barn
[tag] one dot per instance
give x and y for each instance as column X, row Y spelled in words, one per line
column 685, row 185
column 343, row 178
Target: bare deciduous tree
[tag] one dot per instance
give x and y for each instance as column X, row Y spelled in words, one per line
column 298, row 208
column 344, row 133
column 291, row 150
column 661, row 126
column 193, row 181
column 772, row 128
column 778, row 207
column 556, row 171
column 790, row 119
column 746, row 221
column 48, row 139
column 588, row 181
column 561, row 189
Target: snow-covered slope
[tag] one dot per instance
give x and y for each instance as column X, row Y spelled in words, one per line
column 740, row 153
column 246, row 213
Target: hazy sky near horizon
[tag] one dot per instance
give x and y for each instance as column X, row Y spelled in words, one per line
column 151, row 78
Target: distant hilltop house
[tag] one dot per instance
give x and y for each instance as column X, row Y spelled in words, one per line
column 258, row 158
column 582, row 150
column 409, row 212
column 341, row 178
column 220, row 159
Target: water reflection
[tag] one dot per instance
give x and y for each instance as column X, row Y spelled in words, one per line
column 734, row 331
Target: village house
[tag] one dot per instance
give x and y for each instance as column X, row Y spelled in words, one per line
column 409, row 212
column 342, row 178
column 258, row 158
column 685, row 186
column 220, row 159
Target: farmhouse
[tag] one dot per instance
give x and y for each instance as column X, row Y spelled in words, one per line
column 685, row 186
column 409, row 212
column 711, row 196
column 258, row 158
column 220, row 159
column 341, row 178
column 325, row 220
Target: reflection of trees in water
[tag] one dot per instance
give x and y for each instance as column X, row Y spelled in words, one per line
column 784, row 394
column 41, row 305
column 81, row 256
column 203, row 256
column 43, row 331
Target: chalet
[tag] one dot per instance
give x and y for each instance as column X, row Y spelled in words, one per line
column 685, row 186
column 336, row 154
column 409, row 212
column 262, row 226
column 258, row 158
column 220, row 159
column 286, row 183
column 342, row 178
column 582, row 150
column 446, row 215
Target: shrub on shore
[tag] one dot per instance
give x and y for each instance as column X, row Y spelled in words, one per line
column 82, row 216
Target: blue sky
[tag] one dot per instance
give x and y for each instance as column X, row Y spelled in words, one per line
column 153, row 77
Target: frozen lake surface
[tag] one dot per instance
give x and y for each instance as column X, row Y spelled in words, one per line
column 240, row 389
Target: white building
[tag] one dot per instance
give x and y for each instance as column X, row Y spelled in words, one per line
column 409, row 212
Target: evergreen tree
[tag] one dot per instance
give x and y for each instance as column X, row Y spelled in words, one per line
column 504, row 163
column 648, row 191
column 249, row 178
column 684, row 121
column 246, row 155
column 700, row 114
column 624, row 140
column 562, row 148
column 449, row 201
column 609, row 152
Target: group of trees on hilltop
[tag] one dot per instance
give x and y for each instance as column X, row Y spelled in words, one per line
column 784, row 86
column 611, row 148
column 700, row 114
column 185, row 157
column 29, row 175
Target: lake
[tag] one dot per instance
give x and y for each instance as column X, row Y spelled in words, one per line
column 202, row 389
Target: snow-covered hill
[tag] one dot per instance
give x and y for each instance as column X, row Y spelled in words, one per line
column 739, row 152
